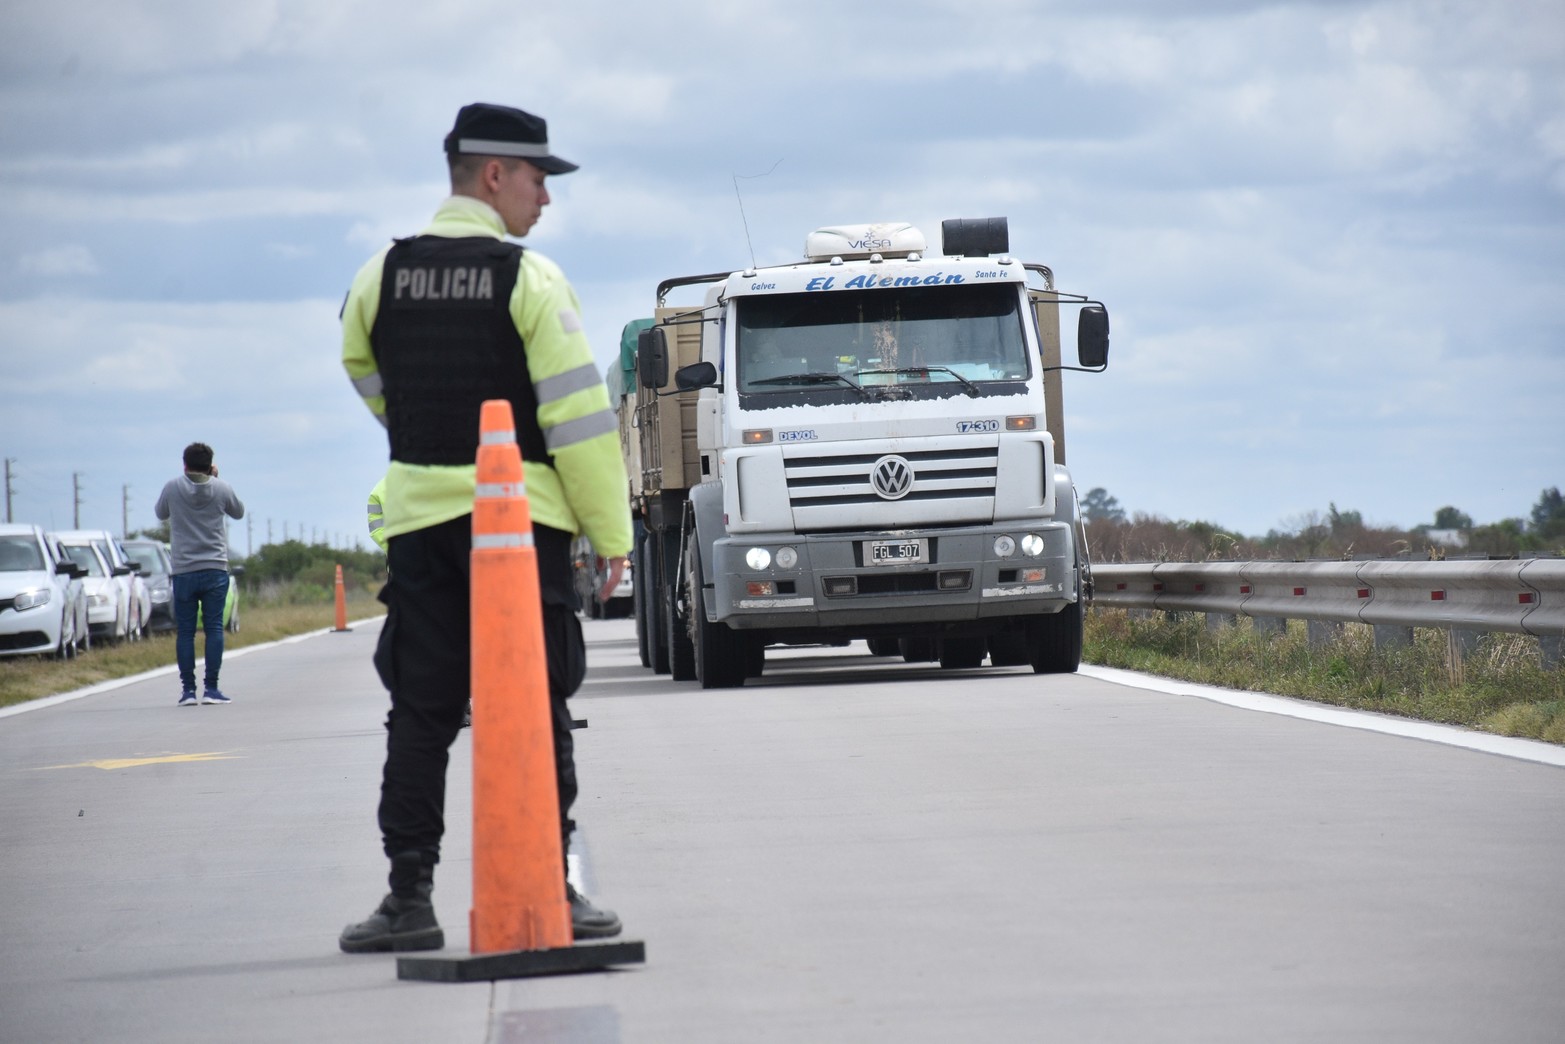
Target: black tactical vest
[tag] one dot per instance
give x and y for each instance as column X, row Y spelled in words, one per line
column 444, row 341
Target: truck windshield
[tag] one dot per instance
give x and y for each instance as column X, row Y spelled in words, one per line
column 956, row 336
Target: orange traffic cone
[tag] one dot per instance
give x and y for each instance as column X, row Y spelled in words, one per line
column 520, row 924
column 342, row 605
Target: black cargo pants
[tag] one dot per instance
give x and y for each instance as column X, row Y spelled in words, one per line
column 424, row 659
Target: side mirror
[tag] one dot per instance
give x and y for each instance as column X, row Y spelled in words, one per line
column 135, row 567
column 696, row 375
column 1092, row 337
column 652, row 358
column 121, row 570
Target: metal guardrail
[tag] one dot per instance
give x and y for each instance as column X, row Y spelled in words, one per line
column 1523, row 596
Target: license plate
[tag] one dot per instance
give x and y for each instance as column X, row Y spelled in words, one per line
column 896, row 552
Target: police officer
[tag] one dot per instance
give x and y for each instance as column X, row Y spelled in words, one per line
column 433, row 326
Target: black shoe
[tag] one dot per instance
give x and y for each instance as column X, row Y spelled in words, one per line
column 467, row 716
column 587, row 921
column 398, row 924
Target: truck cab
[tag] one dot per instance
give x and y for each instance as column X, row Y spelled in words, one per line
column 875, row 455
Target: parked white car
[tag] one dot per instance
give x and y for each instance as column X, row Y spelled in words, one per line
column 135, row 604
column 43, row 607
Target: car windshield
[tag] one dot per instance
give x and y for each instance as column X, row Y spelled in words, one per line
column 20, row 554
column 82, row 555
column 955, row 335
column 150, row 558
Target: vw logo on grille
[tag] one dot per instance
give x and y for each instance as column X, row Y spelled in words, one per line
column 891, row 477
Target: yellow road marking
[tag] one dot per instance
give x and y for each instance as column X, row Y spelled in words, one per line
column 166, row 759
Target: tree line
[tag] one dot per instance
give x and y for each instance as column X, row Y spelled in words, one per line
column 1115, row 536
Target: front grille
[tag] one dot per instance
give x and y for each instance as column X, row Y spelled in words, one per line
column 833, row 490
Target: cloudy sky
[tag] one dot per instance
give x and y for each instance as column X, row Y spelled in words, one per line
column 1331, row 235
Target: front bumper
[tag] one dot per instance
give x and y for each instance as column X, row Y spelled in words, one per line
column 830, row 586
column 30, row 631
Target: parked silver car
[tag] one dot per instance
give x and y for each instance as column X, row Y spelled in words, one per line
column 135, row 604
column 43, row 606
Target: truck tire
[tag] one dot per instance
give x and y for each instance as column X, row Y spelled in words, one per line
column 1009, row 649
column 721, row 656
column 884, row 647
column 681, row 653
column 656, row 606
column 638, row 599
column 1057, row 645
column 961, row 653
column 919, row 650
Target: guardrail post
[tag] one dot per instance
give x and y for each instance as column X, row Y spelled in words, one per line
column 1271, row 625
column 1549, row 651
column 1217, row 621
column 1321, row 633
column 1389, row 636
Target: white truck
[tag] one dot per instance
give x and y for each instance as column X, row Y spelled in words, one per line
column 866, row 444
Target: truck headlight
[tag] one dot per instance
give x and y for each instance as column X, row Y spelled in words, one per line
column 1004, row 546
column 758, row 558
column 787, row 558
column 1032, row 545
column 31, row 599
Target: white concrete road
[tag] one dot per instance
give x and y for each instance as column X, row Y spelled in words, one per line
column 849, row 849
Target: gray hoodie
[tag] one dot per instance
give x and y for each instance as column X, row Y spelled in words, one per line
column 194, row 506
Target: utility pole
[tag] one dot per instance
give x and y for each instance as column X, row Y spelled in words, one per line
column 125, row 510
column 249, row 535
column 268, row 531
column 8, row 462
column 76, row 500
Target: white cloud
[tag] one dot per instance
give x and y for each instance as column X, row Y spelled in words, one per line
column 69, row 260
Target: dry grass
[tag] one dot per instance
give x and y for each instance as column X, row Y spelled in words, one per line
column 1502, row 687
column 24, row 678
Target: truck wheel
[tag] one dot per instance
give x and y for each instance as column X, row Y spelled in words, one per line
column 918, row 650
column 883, row 647
column 681, row 653
column 1009, row 649
column 755, row 657
column 1057, row 645
column 656, row 606
column 961, row 653
column 721, row 656
column 638, row 600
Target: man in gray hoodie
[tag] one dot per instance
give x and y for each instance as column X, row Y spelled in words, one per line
column 194, row 505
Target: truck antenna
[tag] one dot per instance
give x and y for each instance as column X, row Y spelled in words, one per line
column 742, row 217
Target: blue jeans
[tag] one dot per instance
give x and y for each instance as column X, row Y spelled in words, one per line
column 206, row 590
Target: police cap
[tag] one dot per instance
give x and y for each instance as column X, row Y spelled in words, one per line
column 483, row 129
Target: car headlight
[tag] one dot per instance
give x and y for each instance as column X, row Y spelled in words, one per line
column 787, row 558
column 31, row 599
column 758, row 558
column 1004, row 546
column 1032, row 545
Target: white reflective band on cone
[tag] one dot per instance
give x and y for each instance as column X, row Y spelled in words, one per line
column 496, row 438
column 490, row 541
column 499, row 490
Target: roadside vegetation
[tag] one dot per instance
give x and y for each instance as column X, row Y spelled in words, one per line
column 285, row 590
column 1500, row 687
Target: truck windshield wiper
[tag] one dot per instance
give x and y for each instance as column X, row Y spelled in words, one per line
column 815, row 377
column 969, row 386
